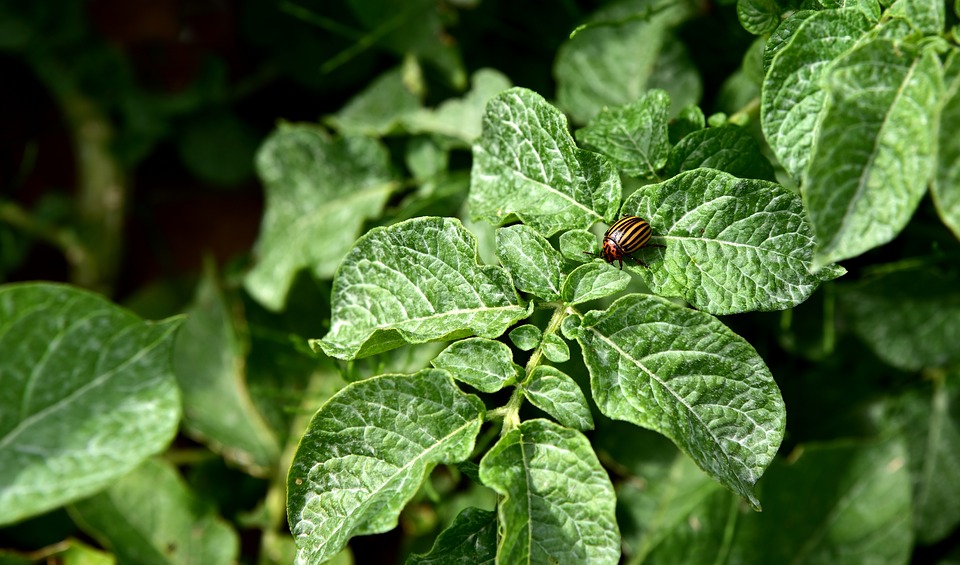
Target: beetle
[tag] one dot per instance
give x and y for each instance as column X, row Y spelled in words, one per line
column 625, row 237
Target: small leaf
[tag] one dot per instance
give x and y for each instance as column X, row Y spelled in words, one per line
column 530, row 259
column 378, row 109
column 484, row 364
column 557, row 502
column 526, row 337
column 880, row 126
column 728, row 148
column 732, row 245
column 209, row 359
column 88, row 394
column 526, row 165
column 366, row 452
column 470, row 540
column 150, row 516
column 758, row 16
column 684, row 374
column 461, row 118
column 555, row 349
column 554, row 392
column 925, row 16
column 416, row 281
column 319, row 192
column 688, row 120
column 946, row 179
column 634, row 135
column 793, row 95
column 575, row 244
column 591, row 281
column 615, row 58
column 910, row 319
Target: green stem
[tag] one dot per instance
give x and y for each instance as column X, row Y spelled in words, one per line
column 64, row 239
column 749, row 112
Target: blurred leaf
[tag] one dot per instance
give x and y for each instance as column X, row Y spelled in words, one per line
column 150, row 517
column 925, row 16
column 208, row 360
column 88, row 394
column 557, row 503
column 728, row 148
column 625, row 49
column 460, row 118
column 219, row 148
column 470, row 540
column 758, row 16
column 688, row 120
column 554, row 392
column 366, row 452
column 684, row 374
column 484, row 364
column 526, row 165
column 379, row 109
column 633, row 135
column 946, row 178
column 732, row 245
column 319, row 192
column 414, row 282
column 910, row 319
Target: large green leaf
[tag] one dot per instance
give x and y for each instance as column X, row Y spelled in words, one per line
column 684, row 374
column 460, row 118
column 416, row 281
column 925, row 16
column 532, row 262
column 880, row 126
column 732, row 245
column 366, row 452
column 209, row 359
column 87, row 393
column 557, row 502
column 793, row 95
column 911, row 319
column 634, row 135
column 470, row 540
column 150, row 517
column 526, row 165
column 319, row 191
column 728, row 148
column 946, row 178
column 379, row 109
column 625, row 49
column 592, row 281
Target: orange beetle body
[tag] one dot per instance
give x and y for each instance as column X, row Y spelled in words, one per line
column 626, row 236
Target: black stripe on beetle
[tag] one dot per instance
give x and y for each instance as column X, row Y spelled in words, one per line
column 625, row 237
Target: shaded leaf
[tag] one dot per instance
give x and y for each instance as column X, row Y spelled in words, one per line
column 416, row 281
column 484, row 364
column 557, row 502
column 554, row 392
column 531, row 261
column 88, row 394
column 470, row 540
column 378, row 109
column 526, row 165
column 366, row 452
column 319, row 191
column 727, row 148
column 684, row 374
column 946, row 178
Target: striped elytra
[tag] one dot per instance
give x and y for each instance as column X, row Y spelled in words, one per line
column 626, row 236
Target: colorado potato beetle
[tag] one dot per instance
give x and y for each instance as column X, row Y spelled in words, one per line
column 625, row 237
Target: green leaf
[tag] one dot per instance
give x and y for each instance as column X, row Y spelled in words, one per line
column 319, row 191
column 614, row 59
column 209, row 361
column 557, row 502
column 946, row 178
column 880, row 126
column 728, row 148
column 526, row 337
column 793, row 95
column 732, row 245
column 554, row 392
column 910, row 319
column 829, row 504
column 457, row 118
column 555, row 349
column 219, row 147
column 88, row 394
column 633, row 135
column 929, row 420
column 688, row 120
column 484, row 364
column 414, row 282
column 470, row 540
column 366, row 452
column 591, row 281
column 684, row 374
column 758, row 16
column 379, row 109
column 574, row 244
column 526, row 165
column 530, row 259
column 926, row 16
column 150, row 517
